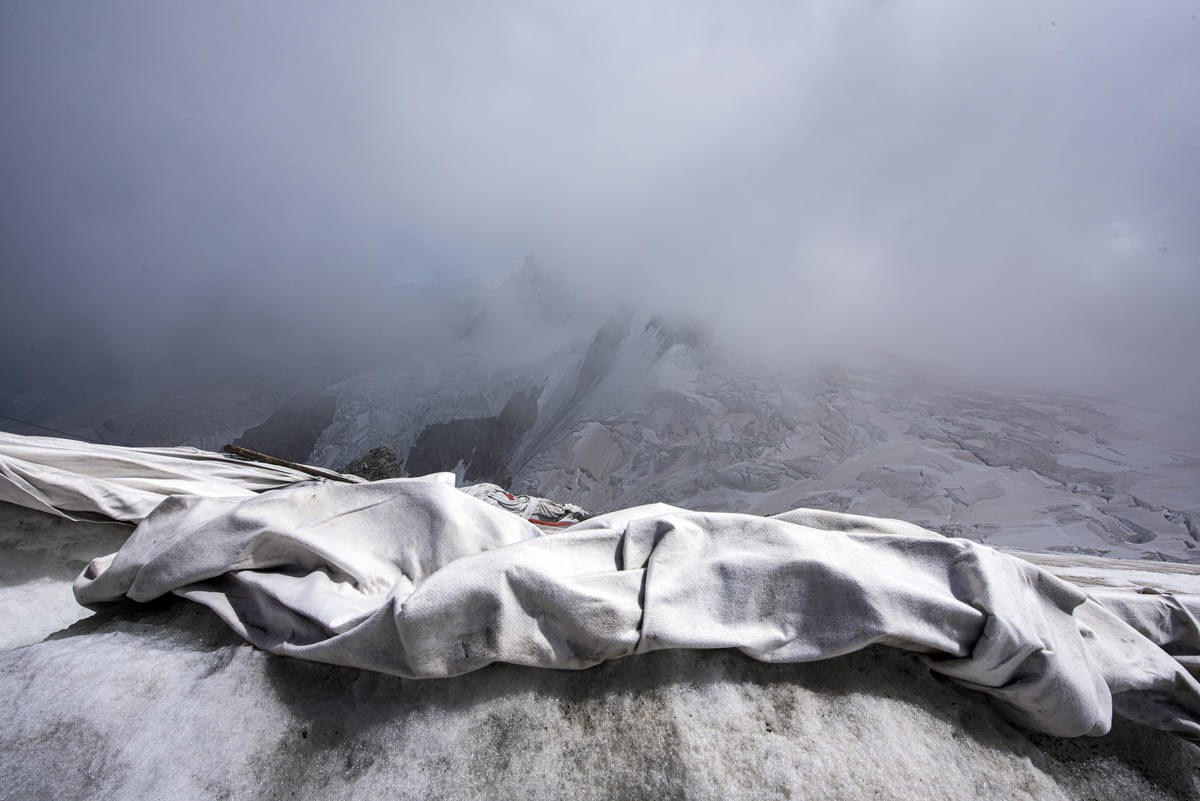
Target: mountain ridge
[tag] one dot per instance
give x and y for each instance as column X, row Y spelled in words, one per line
column 646, row 411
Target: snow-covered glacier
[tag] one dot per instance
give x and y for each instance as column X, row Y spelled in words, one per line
column 645, row 411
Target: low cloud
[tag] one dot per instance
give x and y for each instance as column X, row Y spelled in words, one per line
column 1004, row 192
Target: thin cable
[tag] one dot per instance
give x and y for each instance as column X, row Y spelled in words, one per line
column 48, row 428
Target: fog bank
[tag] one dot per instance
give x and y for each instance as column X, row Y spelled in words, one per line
column 1007, row 193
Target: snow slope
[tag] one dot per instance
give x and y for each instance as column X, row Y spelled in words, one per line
column 646, row 412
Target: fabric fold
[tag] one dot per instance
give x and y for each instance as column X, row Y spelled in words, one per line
column 416, row 579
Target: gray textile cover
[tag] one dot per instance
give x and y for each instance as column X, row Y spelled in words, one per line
column 81, row 480
column 415, row 578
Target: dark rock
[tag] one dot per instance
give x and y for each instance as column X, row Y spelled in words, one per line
column 292, row 431
column 484, row 445
column 377, row 464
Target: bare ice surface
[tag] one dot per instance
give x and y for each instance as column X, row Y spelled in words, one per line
column 165, row 702
column 40, row 555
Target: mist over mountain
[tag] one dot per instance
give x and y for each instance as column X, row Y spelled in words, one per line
column 898, row 261
column 996, row 194
column 650, row 411
column 529, row 382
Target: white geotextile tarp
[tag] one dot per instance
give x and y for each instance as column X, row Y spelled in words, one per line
column 414, row 578
column 80, row 479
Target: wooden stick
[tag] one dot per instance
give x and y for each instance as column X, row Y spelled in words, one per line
column 303, row 468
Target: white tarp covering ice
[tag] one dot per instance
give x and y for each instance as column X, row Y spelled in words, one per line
column 69, row 478
column 414, row 578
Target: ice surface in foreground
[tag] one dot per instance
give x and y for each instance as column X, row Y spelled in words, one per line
column 165, row 703
column 40, row 556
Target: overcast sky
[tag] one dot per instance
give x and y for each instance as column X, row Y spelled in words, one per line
column 1010, row 188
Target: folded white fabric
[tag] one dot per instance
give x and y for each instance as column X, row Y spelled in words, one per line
column 81, row 480
column 542, row 512
column 417, row 579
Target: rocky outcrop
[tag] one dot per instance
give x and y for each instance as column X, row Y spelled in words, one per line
column 376, row 464
column 292, row 430
column 483, row 446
